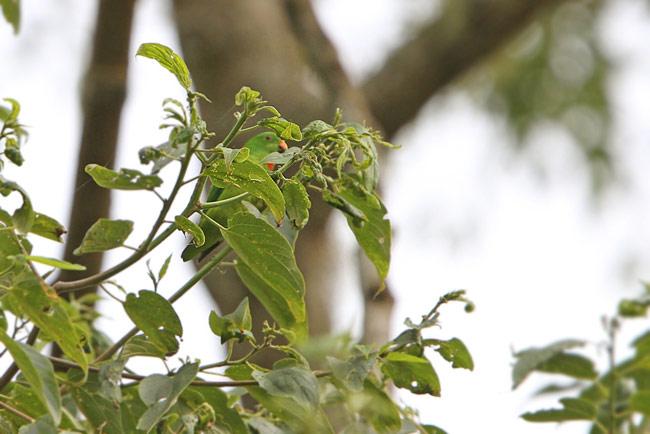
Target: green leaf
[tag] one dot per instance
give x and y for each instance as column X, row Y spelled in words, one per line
column 38, row 372
column 573, row 409
column 125, row 179
column 34, row 299
column 140, row 345
column 531, row 359
column 235, row 325
column 23, row 217
column 268, row 268
column 282, row 127
column 352, row 372
column 640, row 401
column 455, row 351
column 189, row 227
column 47, row 227
column 249, row 177
column 160, row 393
column 42, row 425
column 297, row 203
column 432, row 429
column 297, row 383
column 377, row 408
column 156, row 317
column 227, row 418
column 163, row 269
column 169, row 60
column 572, row 365
column 104, row 235
column 411, row 372
column 373, row 235
column 11, row 12
column 102, row 411
column 56, row 263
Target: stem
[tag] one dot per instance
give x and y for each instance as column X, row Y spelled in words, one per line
column 241, row 120
column 17, row 412
column 174, row 297
column 611, row 351
column 218, row 203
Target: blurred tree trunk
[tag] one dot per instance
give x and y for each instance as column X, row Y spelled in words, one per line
column 103, row 95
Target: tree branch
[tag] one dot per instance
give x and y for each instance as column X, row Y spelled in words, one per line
column 465, row 35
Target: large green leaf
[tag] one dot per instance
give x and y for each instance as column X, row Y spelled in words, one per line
column 573, row 409
column 249, row 177
column 156, row 317
column 125, row 179
column 38, row 372
column 352, row 372
column 11, row 12
column 160, row 393
column 295, row 382
column 532, row 359
column 104, row 235
column 268, row 268
column 374, row 234
column 169, row 60
column 297, row 203
column 42, row 425
column 412, row 372
column 31, row 297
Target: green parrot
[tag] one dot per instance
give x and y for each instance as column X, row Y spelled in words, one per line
column 259, row 147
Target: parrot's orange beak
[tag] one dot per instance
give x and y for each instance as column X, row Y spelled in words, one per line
column 283, row 146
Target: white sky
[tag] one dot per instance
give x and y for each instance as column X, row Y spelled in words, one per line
column 536, row 259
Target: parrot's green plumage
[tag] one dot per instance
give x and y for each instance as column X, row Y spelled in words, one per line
column 259, row 147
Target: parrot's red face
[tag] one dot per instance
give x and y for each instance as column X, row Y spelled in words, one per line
column 282, row 146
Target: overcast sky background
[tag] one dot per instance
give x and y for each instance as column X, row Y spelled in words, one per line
column 540, row 260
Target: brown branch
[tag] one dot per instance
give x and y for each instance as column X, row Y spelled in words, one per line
column 104, row 92
column 465, row 34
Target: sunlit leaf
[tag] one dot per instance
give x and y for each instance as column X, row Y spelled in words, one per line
column 411, row 372
column 169, row 60
column 125, row 179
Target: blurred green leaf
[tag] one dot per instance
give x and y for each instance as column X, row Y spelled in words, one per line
column 47, row 227
column 140, row 345
column 56, row 263
column 573, row 409
column 293, row 382
column 125, row 179
column 531, row 359
column 11, row 12
column 105, row 235
column 572, row 365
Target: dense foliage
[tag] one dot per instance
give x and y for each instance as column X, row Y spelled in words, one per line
column 252, row 217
